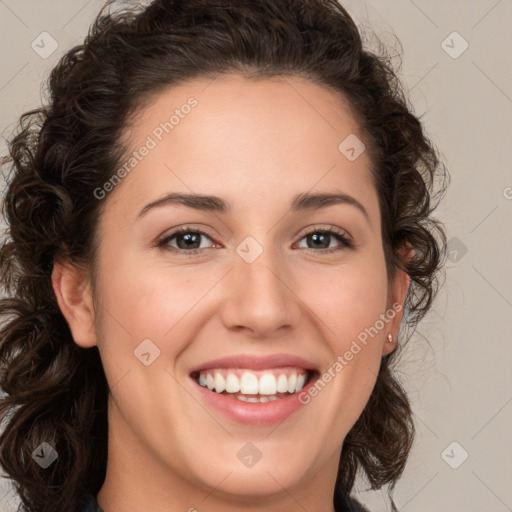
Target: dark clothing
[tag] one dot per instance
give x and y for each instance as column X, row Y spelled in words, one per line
column 88, row 504
column 342, row 503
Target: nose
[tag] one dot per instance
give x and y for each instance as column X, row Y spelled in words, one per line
column 259, row 297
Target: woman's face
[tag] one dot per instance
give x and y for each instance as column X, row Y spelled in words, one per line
column 254, row 289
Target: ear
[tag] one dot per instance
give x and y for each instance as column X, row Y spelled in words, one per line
column 74, row 296
column 396, row 298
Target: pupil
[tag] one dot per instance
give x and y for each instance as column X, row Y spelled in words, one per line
column 318, row 236
column 192, row 238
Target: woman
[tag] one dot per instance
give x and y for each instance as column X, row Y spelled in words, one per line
column 218, row 228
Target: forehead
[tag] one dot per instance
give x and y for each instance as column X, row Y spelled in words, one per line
column 245, row 140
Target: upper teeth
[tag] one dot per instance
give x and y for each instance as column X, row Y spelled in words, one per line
column 250, row 382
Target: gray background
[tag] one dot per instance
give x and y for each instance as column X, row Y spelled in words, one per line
column 461, row 386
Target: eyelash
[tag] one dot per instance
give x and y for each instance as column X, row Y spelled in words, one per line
column 346, row 243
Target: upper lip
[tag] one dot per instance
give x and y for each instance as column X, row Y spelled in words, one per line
column 256, row 362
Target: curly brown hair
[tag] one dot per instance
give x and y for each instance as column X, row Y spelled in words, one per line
column 56, row 391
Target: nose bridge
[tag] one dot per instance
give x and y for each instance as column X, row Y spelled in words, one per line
column 258, row 297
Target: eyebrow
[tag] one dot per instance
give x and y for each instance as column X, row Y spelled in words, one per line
column 302, row 202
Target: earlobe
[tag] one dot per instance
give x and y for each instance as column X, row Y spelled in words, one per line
column 398, row 293
column 72, row 289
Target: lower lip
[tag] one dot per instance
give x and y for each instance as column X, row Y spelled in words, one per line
column 263, row 413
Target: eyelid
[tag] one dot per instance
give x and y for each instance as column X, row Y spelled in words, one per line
column 164, row 239
column 345, row 239
column 335, row 229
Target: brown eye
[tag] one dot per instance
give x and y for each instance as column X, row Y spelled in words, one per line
column 320, row 240
column 187, row 241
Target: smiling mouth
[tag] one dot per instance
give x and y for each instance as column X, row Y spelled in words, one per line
column 254, row 386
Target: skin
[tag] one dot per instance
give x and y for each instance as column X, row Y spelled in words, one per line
column 256, row 145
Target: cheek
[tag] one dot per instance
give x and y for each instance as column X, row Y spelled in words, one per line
column 348, row 302
column 166, row 305
column 148, row 301
column 170, row 304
